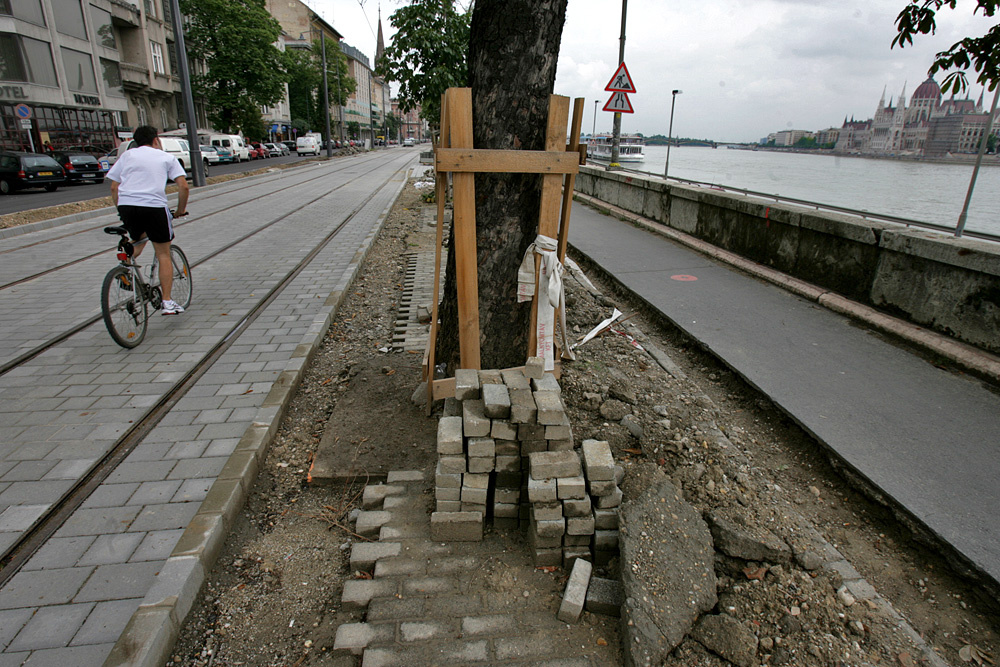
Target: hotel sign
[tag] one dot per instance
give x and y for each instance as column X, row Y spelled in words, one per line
column 91, row 100
column 13, row 93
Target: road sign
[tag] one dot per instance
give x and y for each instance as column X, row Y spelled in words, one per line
column 621, row 82
column 619, row 103
column 22, row 111
column 25, row 123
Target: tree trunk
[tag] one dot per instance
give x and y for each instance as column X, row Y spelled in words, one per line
column 513, row 51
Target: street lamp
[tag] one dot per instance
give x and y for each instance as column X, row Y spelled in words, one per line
column 594, row 131
column 670, row 131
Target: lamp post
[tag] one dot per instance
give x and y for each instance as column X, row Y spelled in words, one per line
column 616, row 131
column 594, row 131
column 670, row 131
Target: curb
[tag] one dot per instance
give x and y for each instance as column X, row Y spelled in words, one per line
column 831, row 559
column 965, row 356
column 153, row 629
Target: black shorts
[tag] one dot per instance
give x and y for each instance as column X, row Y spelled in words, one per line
column 150, row 221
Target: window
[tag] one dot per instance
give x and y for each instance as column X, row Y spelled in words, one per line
column 79, row 71
column 104, row 33
column 157, row 52
column 25, row 59
column 69, row 18
column 112, row 76
column 26, row 10
column 150, row 9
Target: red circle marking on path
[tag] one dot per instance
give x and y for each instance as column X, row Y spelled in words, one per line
column 683, row 278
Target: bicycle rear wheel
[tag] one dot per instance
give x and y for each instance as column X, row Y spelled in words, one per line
column 181, row 289
column 123, row 308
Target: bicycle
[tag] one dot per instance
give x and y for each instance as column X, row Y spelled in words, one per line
column 126, row 294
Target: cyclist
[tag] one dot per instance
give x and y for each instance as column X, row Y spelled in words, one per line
column 138, row 181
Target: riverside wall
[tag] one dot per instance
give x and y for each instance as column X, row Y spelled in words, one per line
column 946, row 284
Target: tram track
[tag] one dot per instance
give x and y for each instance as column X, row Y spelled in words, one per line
column 200, row 218
column 59, row 338
column 46, row 526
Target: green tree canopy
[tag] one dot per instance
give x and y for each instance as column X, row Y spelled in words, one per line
column 980, row 53
column 428, row 54
column 244, row 70
column 305, row 82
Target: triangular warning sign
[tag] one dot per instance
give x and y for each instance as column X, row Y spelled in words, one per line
column 621, row 82
column 619, row 103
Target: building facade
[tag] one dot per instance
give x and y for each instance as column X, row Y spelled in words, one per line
column 411, row 125
column 928, row 126
column 359, row 108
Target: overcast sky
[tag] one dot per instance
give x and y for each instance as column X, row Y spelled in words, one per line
column 746, row 67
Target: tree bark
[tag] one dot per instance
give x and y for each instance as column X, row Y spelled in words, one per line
column 513, row 51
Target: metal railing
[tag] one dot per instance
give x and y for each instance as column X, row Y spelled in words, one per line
column 866, row 215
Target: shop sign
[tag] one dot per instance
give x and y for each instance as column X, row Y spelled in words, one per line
column 87, row 99
column 13, row 93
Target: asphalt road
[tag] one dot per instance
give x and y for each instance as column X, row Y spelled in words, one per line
column 23, row 200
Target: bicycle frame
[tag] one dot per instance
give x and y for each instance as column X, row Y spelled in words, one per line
column 147, row 290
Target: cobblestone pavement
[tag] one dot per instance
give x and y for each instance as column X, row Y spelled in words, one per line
column 135, row 553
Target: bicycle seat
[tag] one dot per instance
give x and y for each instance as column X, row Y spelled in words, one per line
column 120, row 230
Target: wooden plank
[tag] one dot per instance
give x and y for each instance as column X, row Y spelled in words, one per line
column 570, row 180
column 505, row 162
column 464, row 231
column 440, row 192
column 548, row 217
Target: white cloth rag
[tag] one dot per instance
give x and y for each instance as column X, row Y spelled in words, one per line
column 552, row 295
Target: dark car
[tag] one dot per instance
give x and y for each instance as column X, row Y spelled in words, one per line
column 79, row 167
column 290, row 145
column 96, row 151
column 29, row 170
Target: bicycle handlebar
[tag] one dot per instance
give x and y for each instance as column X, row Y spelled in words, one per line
column 173, row 214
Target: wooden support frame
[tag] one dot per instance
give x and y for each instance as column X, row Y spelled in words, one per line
column 455, row 156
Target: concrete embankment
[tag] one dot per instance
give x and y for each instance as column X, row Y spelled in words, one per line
column 948, row 285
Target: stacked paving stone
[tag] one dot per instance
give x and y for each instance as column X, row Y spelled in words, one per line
column 506, row 450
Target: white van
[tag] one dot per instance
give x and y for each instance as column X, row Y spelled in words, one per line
column 175, row 146
column 307, row 144
column 233, row 142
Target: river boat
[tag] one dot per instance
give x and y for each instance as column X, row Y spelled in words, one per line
column 631, row 148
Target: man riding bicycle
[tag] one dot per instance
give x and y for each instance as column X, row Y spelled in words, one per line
column 138, row 188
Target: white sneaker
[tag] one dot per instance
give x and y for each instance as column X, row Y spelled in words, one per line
column 171, row 307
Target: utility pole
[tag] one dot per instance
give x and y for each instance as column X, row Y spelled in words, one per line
column 326, row 95
column 617, row 131
column 340, row 101
column 670, row 131
column 197, row 166
column 979, row 160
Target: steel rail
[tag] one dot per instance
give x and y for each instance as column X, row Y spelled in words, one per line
column 28, row 544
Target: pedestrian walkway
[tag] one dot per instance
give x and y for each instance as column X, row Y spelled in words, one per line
column 925, row 438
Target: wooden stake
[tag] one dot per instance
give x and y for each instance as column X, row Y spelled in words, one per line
column 548, row 218
column 440, row 193
column 464, row 231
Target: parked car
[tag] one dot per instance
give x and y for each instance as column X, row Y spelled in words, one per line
column 29, row 170
column 290, row 145
column 253, row 152
column 96, row 151
column 235, row 143
column 262, row 150
column 224, row 155
column 307, row 144
column 177, row 147
column 408, row 142
column 276, row 149
column 79, row 167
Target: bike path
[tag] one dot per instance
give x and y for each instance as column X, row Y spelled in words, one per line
column 135, row 553
column 926, row 438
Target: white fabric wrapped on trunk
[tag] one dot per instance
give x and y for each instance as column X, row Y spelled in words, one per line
column 552, row 296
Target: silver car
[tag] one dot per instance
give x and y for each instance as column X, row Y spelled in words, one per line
column 277, row 149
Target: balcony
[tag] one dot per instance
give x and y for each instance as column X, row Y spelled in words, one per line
column 134, row 76
column 124, row 14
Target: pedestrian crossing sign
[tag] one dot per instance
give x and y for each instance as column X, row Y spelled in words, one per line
column 621, row 82
column 619, row 103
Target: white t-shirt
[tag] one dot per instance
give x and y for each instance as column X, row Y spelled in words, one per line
column 143, row 173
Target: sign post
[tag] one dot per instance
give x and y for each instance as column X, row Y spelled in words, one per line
column 23, row 111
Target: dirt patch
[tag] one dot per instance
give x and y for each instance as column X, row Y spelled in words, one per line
column 274, row 596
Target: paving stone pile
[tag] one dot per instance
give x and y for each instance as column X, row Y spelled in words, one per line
column 506, row 454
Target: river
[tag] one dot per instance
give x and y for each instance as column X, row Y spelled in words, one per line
column 919, row 191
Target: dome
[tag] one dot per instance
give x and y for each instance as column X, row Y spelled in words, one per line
column 929, row 89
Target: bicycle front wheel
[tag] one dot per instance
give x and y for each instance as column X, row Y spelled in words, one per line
column 124, row 309
column 181, row 290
